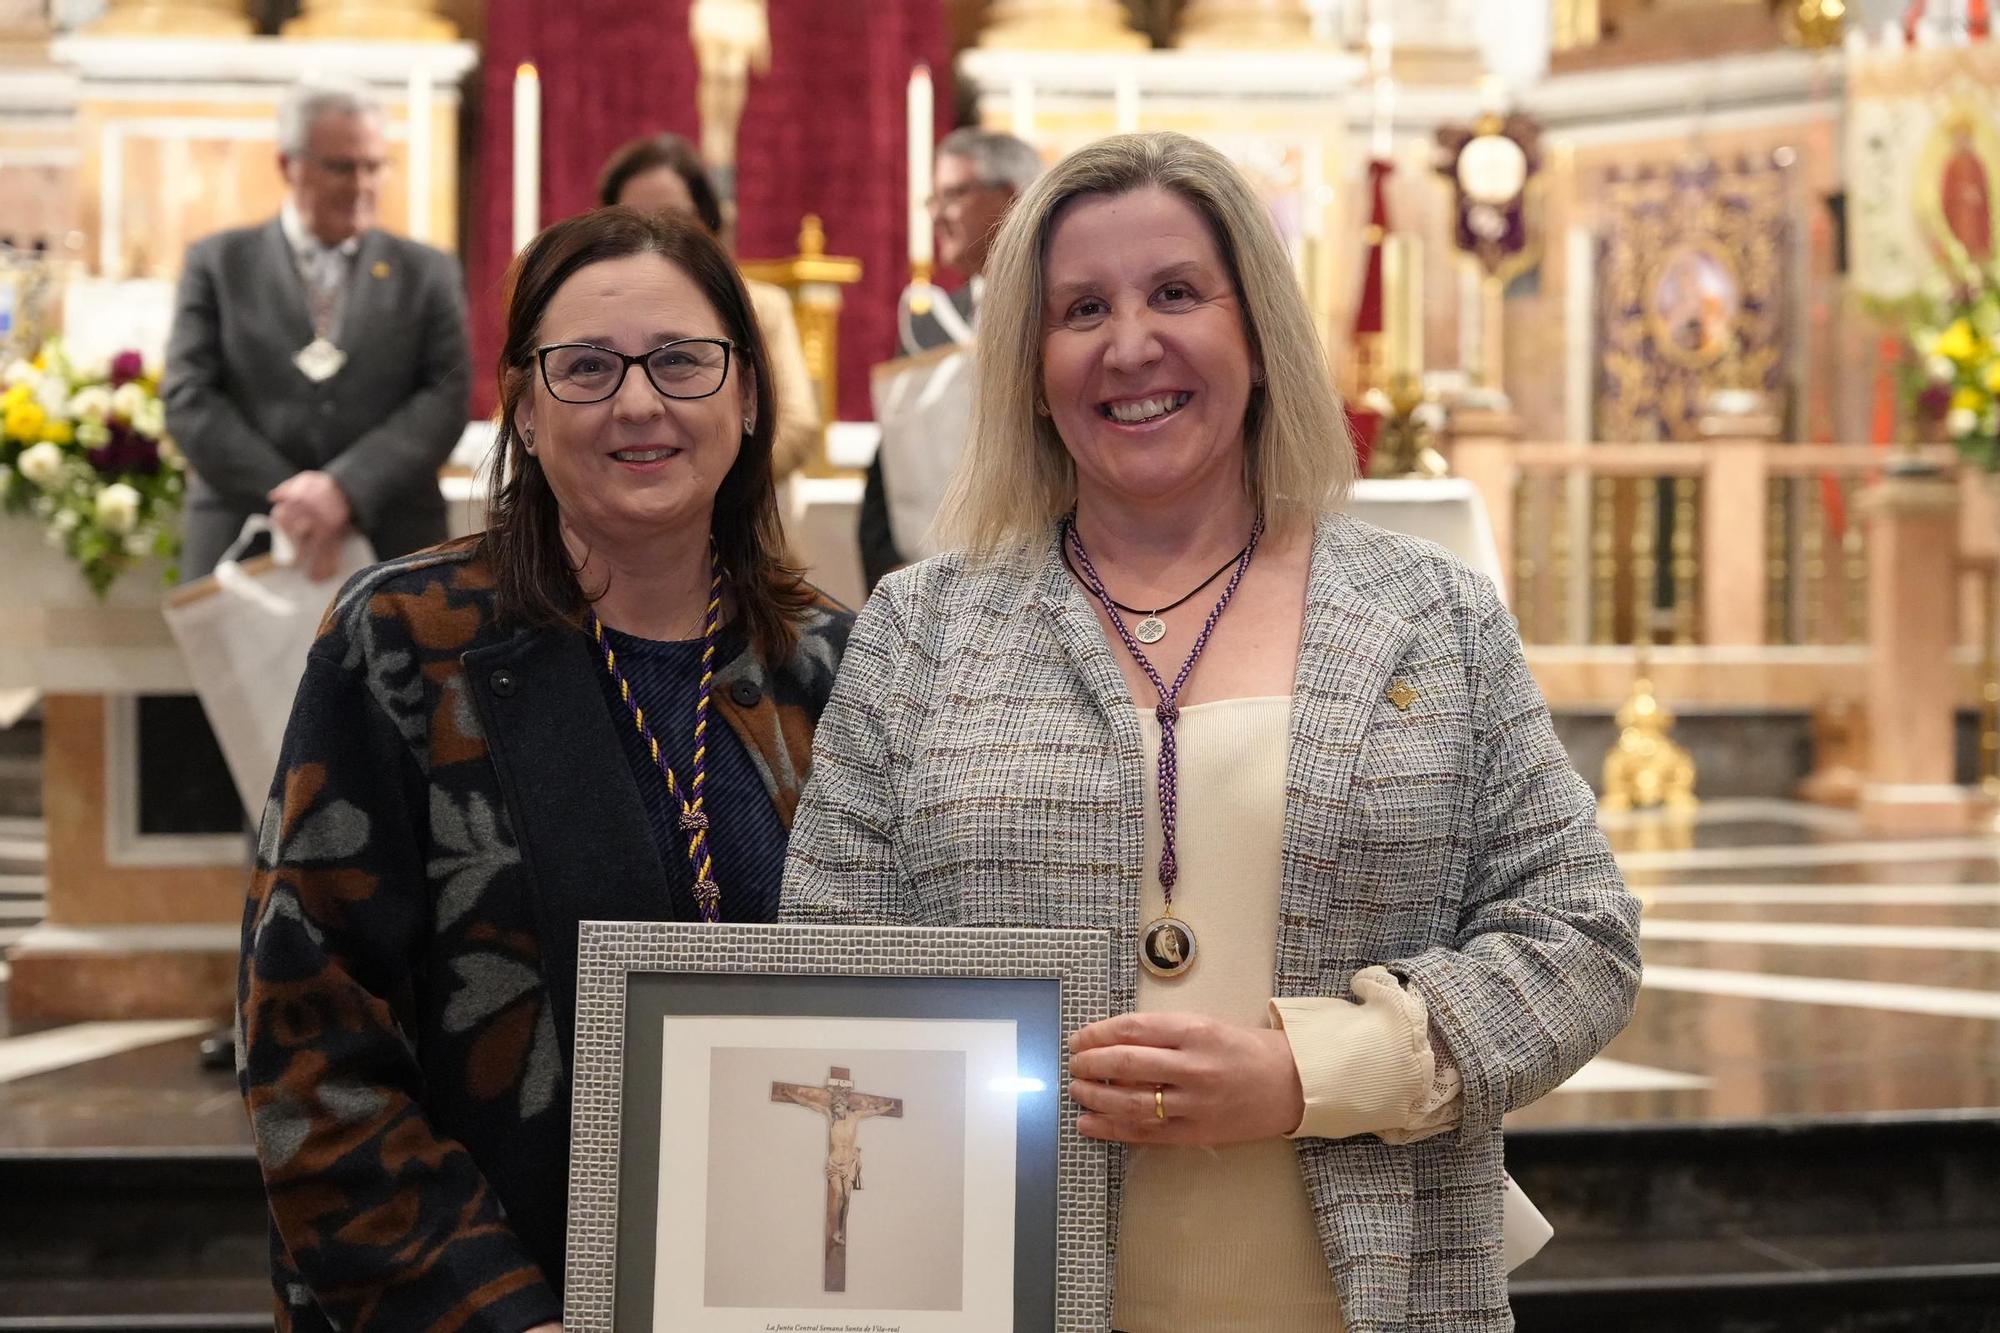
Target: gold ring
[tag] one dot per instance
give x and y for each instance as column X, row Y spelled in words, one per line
column 1159, row 1103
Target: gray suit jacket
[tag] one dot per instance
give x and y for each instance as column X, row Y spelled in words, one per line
column 980, row 763
column 247, row 418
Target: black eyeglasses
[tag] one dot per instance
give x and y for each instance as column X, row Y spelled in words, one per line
column 953, row 194
column 587, row 373
column 351, row 168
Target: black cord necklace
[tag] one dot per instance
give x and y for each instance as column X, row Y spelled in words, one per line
column 1151, row 629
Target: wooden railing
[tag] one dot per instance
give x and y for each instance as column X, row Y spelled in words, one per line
column 1726, row 542
column 1846, row 580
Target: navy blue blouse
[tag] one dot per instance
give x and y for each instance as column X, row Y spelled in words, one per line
column 745, row 835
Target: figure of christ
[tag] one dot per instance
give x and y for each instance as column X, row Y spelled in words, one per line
column 844, row 1109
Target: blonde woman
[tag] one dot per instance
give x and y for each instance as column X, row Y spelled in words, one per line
column 1295, row 765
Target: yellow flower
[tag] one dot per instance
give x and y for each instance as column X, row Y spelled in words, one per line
column 1972, row 400
column 41, row 361
column 24, row 421
column 20, row 393
column 59, row 431
column 1993, row 376
column 1957, row 342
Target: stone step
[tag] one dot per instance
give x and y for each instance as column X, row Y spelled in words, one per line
column 128, row 1238
column 1876, row 1224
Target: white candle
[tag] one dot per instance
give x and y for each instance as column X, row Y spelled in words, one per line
column 527, row 156
column 1125, row 100
column 419, row 97
column 1402, row 305
column 922, row 127
column 1021, row 107
column 1380, row 39
column 1394, row 276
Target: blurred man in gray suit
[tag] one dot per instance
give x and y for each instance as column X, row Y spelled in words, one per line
column 978, row 174
column 318, row 366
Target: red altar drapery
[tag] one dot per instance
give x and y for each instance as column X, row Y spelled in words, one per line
column 823, row 133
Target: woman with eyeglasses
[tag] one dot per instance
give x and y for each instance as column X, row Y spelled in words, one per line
column 600, row 708
column 663, row 173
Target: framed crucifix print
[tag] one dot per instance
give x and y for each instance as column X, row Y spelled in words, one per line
column 824, row 1129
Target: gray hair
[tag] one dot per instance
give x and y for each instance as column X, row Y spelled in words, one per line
column 997, row 159
column 304, row 103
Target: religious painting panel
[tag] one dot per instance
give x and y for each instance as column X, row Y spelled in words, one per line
column 1693, row 292
column 1923, row 166
column 833, row 1128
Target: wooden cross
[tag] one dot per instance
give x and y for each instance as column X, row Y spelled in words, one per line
column 844, row 1109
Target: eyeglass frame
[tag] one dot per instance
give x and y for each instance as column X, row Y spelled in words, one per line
column 350, row 168
column 937, row 199
column 542, row 363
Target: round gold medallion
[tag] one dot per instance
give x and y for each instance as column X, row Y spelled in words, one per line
column 1166, row 946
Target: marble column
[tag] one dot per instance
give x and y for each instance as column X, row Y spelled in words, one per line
column 174, row 18
column 392, row 20
column 1479, row 445
column 1735, row 511
column 1912, row 689
column 1060, row 25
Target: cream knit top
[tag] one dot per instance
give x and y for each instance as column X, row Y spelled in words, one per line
column 1223, row 1240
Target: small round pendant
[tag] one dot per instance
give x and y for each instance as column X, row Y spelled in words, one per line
column 1150, row 630
column 1166, row 946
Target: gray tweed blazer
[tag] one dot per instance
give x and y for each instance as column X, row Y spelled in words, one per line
column 979, row 764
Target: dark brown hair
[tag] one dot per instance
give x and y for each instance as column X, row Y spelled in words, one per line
column 537, row 583
column 663, row 150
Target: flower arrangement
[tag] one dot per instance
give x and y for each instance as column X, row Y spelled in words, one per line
column 1951, row 383
column 84, row 450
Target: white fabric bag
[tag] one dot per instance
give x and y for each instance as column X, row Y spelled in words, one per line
column 243, row 632
column 924, row 406
column 1523, row 1229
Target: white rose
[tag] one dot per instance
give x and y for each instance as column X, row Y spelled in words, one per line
column 139, row 544
column 118, row 508
column 19, row 372
column 128, row 400
column 151, row 419
column 1960, row 422
column 93, row 434
column 170, row 453
column 1941, row 369
column 92, row 404
column 65, row 521
column 42, row 464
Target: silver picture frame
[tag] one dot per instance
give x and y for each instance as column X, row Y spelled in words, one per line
column 637, row 980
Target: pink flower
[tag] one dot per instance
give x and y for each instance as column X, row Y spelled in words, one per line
column 127, row 366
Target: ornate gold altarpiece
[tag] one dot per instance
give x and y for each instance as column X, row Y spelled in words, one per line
column 1693, row 293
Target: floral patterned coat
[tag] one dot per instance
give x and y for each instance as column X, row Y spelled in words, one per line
column 451, row 800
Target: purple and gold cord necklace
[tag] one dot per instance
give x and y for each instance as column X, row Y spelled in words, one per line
column 693, row 817
column 1167, row 944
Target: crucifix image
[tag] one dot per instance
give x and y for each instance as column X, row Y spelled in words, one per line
column 844, row 1109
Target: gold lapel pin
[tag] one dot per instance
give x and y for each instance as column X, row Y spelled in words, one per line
column 1402, row 695
column 381, row 269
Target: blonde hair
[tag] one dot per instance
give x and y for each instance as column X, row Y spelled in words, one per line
column 1016, row 477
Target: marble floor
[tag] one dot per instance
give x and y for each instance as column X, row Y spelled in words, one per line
column 1795, row 967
